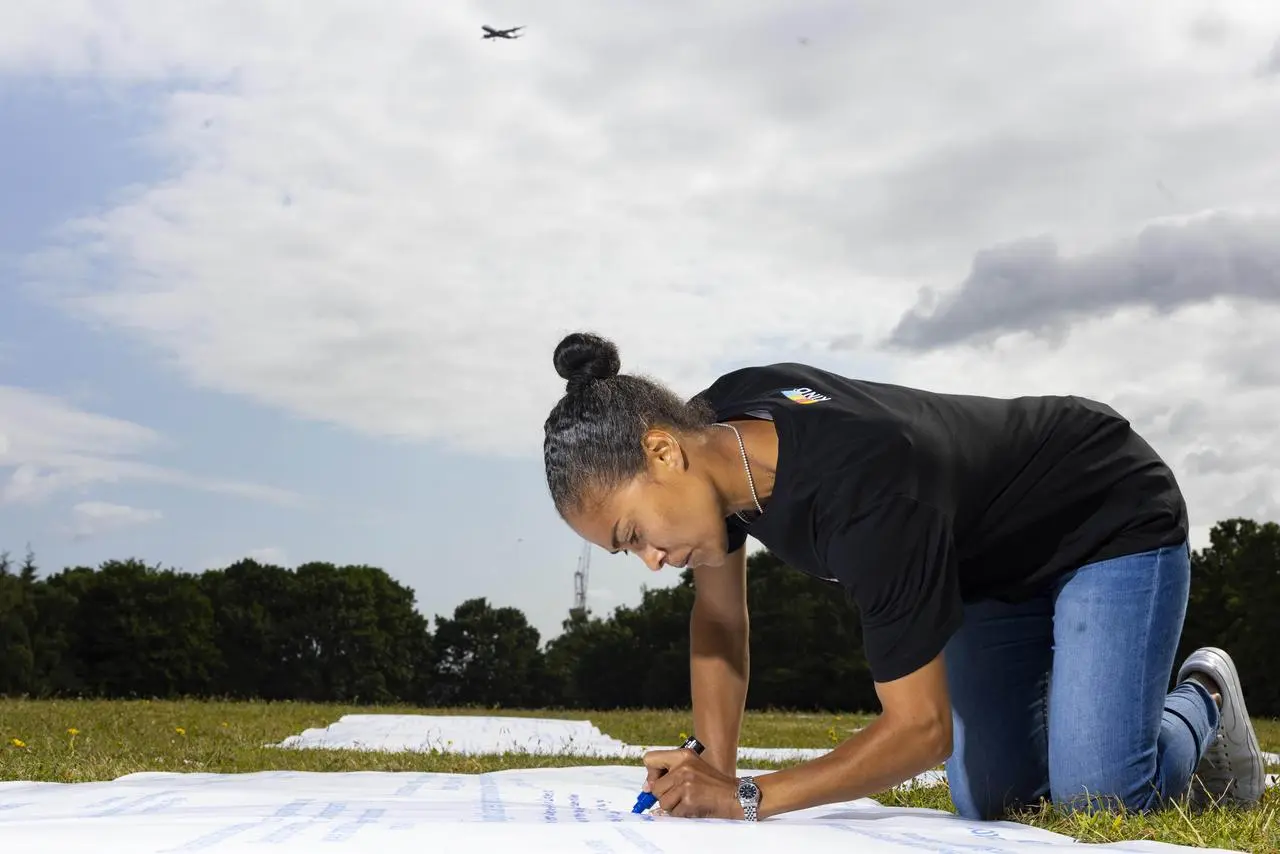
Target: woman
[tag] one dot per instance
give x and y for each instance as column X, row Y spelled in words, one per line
column 1021, row 568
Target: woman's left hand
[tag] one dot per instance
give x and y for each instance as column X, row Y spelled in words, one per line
column 691, row 788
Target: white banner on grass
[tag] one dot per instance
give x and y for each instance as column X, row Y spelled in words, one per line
column 493, row 734
column 584, row 810
column 498, row 734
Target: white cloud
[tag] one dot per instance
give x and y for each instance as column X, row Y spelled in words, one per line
column 93, row 518
column 269, row 555
column 602, row 596
column 48, row 447
column 403, row 219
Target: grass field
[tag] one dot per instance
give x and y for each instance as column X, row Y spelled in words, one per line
column 80, row 741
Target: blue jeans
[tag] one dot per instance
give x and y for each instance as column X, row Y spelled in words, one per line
column 1064, row 696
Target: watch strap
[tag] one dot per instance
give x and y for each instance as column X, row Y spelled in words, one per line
column 750, row 806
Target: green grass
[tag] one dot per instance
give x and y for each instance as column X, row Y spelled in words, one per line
column 81, row 741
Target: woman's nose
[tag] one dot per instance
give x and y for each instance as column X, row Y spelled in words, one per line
column 655, row 559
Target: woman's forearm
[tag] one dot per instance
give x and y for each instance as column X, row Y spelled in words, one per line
column 719, row 667
column 875, row 759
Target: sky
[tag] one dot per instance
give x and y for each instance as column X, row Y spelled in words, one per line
column 283, row 281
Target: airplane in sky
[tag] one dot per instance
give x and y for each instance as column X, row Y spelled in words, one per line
column 491, row 33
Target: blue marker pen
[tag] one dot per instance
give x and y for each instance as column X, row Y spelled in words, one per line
column 647, row 799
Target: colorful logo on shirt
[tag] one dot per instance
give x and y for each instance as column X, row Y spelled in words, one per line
column 804, row 395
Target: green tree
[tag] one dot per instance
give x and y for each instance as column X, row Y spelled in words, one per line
column 806, row 642
column 57, row 671
column 137, row 630
column 657, row 663
column 259, row 624
column 17, row 618
column 592, row 663
column 1235, row 597
column 489, row 657
column 362, row 633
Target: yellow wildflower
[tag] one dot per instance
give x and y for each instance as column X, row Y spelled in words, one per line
column 17, row 742
column 179, row 730
column 73, row 731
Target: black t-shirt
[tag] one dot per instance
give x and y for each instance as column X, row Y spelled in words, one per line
column 918, row 501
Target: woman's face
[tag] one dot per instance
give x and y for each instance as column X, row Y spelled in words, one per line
column 670, row 515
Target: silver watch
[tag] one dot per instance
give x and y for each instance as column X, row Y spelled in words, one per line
column 749, row 797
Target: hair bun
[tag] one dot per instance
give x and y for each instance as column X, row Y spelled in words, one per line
column 583, row 356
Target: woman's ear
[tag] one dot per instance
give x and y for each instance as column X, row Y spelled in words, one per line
column 664, row 451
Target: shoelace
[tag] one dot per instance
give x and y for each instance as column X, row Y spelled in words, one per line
column 1218, row 760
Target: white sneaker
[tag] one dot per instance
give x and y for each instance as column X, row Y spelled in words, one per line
column 1231, row 770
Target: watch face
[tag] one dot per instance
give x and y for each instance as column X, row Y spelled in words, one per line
column 748, row 791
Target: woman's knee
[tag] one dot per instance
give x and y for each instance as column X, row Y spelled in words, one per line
column 978, row 806
column 989, row 793
column 1107, row 792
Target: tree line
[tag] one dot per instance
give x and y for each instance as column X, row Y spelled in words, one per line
column 353, row 634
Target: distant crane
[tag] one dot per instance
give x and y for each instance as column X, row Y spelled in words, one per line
column 580, row 578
